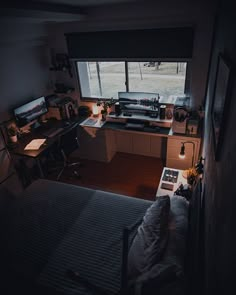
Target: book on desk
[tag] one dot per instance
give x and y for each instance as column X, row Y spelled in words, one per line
column 35, row 144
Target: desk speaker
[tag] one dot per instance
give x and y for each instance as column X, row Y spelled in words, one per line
column 117, row 109
column 162, row 112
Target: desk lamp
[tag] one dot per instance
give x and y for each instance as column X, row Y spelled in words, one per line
column 95, row 110
column 182, row 150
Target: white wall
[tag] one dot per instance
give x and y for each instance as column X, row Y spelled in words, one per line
column 150, row 15
column 24, row 70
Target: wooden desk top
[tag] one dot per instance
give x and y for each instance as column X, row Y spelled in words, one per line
column 18, row 149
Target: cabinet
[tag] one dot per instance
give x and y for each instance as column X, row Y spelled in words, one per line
column 158, row 146
column 174, row 144
column 145, row 144
column 96, row 144
column 124, row 142
column 141, row 144
column 101, row 144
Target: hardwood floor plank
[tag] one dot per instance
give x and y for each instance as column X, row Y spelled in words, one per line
column 128, row 174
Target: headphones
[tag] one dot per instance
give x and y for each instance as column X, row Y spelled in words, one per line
column 180, row 114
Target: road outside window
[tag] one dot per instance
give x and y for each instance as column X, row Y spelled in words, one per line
column 99, row 79
column 165, row 78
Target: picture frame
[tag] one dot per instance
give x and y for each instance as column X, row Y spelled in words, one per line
column 220, row 103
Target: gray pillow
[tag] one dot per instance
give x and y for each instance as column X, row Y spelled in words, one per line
column 150, row 241
column 167, row 276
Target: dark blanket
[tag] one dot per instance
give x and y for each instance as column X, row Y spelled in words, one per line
column 55, row 227
column 54, row 230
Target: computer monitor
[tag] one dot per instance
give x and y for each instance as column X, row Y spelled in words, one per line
column 139, row 101
column 30, row 111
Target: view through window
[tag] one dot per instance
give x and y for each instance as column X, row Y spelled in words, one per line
column 106, row 79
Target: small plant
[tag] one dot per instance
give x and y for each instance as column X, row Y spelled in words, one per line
column 106, row 104
column 191, row 175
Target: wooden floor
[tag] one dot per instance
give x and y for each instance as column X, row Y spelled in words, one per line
column 132, row 175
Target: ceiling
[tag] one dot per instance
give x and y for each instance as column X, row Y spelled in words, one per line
column 44, row 11
column 84, row 3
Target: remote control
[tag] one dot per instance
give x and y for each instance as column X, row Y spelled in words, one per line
column 167, row 186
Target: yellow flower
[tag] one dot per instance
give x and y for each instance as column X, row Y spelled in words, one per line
column 192, row 172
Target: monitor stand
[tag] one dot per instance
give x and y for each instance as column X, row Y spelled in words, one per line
column 36, row 125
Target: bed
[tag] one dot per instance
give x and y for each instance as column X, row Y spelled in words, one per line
column 64, row 239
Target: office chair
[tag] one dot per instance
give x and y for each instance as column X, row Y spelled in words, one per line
column 68, row 143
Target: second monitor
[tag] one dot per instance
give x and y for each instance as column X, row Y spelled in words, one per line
column 30, row 111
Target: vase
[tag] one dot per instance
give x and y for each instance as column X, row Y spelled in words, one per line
column 13, row 138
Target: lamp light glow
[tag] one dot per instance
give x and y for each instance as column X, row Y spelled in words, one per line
column 181, row 156
column 95, row 110
column 182, row 152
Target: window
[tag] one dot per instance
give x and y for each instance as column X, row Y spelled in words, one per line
column 101, row 79
column 165, row 78
column 105, row 79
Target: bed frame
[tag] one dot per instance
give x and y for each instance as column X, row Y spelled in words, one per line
column 195, row 244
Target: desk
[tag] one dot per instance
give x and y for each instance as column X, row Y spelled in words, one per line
column 113, row 137
column 37, row 133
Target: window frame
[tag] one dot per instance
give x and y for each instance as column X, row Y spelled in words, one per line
column 187, row 82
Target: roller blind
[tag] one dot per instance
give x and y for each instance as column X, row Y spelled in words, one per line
column 169, row 43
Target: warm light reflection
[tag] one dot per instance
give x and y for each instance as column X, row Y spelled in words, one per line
column 95, row 110
column 181, row 156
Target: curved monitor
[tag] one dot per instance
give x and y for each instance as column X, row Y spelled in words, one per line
column 142, row 101
column 30, row 111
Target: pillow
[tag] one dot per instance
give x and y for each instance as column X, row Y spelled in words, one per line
column 178, row 228
column 150, row 241
column 167, row 275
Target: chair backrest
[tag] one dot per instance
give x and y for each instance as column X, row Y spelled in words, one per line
column 69, row 141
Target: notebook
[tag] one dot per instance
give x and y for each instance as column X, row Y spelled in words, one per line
column 35, row 144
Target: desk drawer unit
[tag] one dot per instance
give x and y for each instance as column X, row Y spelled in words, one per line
column 139, row 144
column 173, row 150
column 124, row 142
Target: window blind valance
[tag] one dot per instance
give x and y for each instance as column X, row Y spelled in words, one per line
column 163, row 43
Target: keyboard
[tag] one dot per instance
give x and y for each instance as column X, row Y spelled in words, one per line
column 135, row 126
column 91, row 122
column 52, row 132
